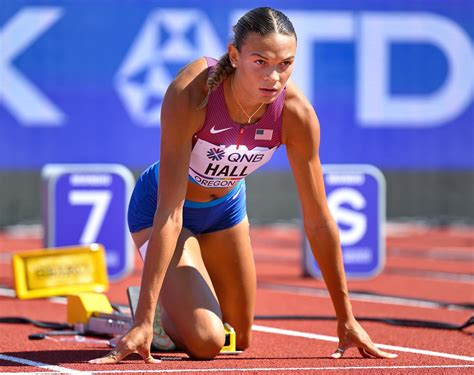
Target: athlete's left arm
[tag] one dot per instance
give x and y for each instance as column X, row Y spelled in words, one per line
column 301, row 135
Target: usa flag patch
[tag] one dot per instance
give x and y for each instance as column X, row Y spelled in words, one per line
column 263, row 134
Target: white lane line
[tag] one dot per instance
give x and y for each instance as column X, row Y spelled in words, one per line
column 262, row 369
column 56, row 369
column 6, row 292
column 361, row 297
column 315, row 336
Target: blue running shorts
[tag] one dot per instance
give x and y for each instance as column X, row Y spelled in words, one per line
column 198, row 217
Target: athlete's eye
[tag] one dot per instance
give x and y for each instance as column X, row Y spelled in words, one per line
column 286, row 63
column 260, row 62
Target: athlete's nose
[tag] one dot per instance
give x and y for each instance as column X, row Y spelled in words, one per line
column 272, row 76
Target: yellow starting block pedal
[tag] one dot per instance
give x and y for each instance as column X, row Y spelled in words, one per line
column 229, row 345
column 60, row 271
column 92, row 313
column 81, row 306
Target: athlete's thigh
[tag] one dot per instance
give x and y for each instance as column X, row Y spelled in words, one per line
column 186, row 262
column 187, row 285
column 229, row 260
column 191, row 312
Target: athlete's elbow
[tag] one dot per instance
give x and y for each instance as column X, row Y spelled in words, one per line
column 316, row 228
column 172, row 221
column 175, row 223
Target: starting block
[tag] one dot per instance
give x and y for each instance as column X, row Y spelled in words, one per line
column 92, row 313
column 229, row 345
column 60, row 271
column 81, row 307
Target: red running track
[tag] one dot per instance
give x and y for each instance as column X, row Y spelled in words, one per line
column 422, row 264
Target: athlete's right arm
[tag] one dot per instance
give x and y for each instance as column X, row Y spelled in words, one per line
column 181, row 118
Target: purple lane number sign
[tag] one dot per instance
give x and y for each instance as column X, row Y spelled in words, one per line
column 87, row 203
column 356, row 199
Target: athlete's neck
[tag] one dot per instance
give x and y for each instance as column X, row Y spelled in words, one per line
column 244, row 111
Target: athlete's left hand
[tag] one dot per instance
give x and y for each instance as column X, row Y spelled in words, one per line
column 351, row 334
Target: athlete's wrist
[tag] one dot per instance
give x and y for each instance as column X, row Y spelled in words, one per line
column 145, row 324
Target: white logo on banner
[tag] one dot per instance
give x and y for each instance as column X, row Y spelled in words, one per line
column 169, row 36
column 23, row 99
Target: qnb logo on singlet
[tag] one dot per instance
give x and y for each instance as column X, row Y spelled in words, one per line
column 213, row 166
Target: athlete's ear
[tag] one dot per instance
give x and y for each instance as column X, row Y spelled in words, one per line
column 233, row 54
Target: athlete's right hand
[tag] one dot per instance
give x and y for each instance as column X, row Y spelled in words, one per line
column 137, row 340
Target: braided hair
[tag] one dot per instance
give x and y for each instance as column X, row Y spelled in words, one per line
column 263, row 21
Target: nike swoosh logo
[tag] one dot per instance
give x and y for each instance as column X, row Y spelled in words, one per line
column 217, row 131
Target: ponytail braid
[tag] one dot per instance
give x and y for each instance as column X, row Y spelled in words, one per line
column 221, row 71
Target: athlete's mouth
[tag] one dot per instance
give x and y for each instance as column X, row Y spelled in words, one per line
column 269, row 90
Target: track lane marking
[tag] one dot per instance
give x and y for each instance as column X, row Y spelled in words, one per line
column 362, row 297
column 7, row 292
column 56, row 369
column 262, row 369
column 314, row 336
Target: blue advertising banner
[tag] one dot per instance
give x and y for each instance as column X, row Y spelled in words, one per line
column 82, row 81
column 356, row 199
column 87, row 204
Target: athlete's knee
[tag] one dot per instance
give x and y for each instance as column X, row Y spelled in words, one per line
column 206, row 346
column 207, row 339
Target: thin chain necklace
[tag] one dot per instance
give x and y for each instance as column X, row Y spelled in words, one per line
column 236, row 100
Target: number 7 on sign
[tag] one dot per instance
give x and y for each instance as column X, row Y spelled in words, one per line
column 100, row 201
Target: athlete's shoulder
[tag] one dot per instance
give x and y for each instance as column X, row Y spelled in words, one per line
column 300, row 125
column 190, row 82
column 181, row 109
column 297, row 109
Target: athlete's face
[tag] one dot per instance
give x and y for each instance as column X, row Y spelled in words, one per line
column 264, row 65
